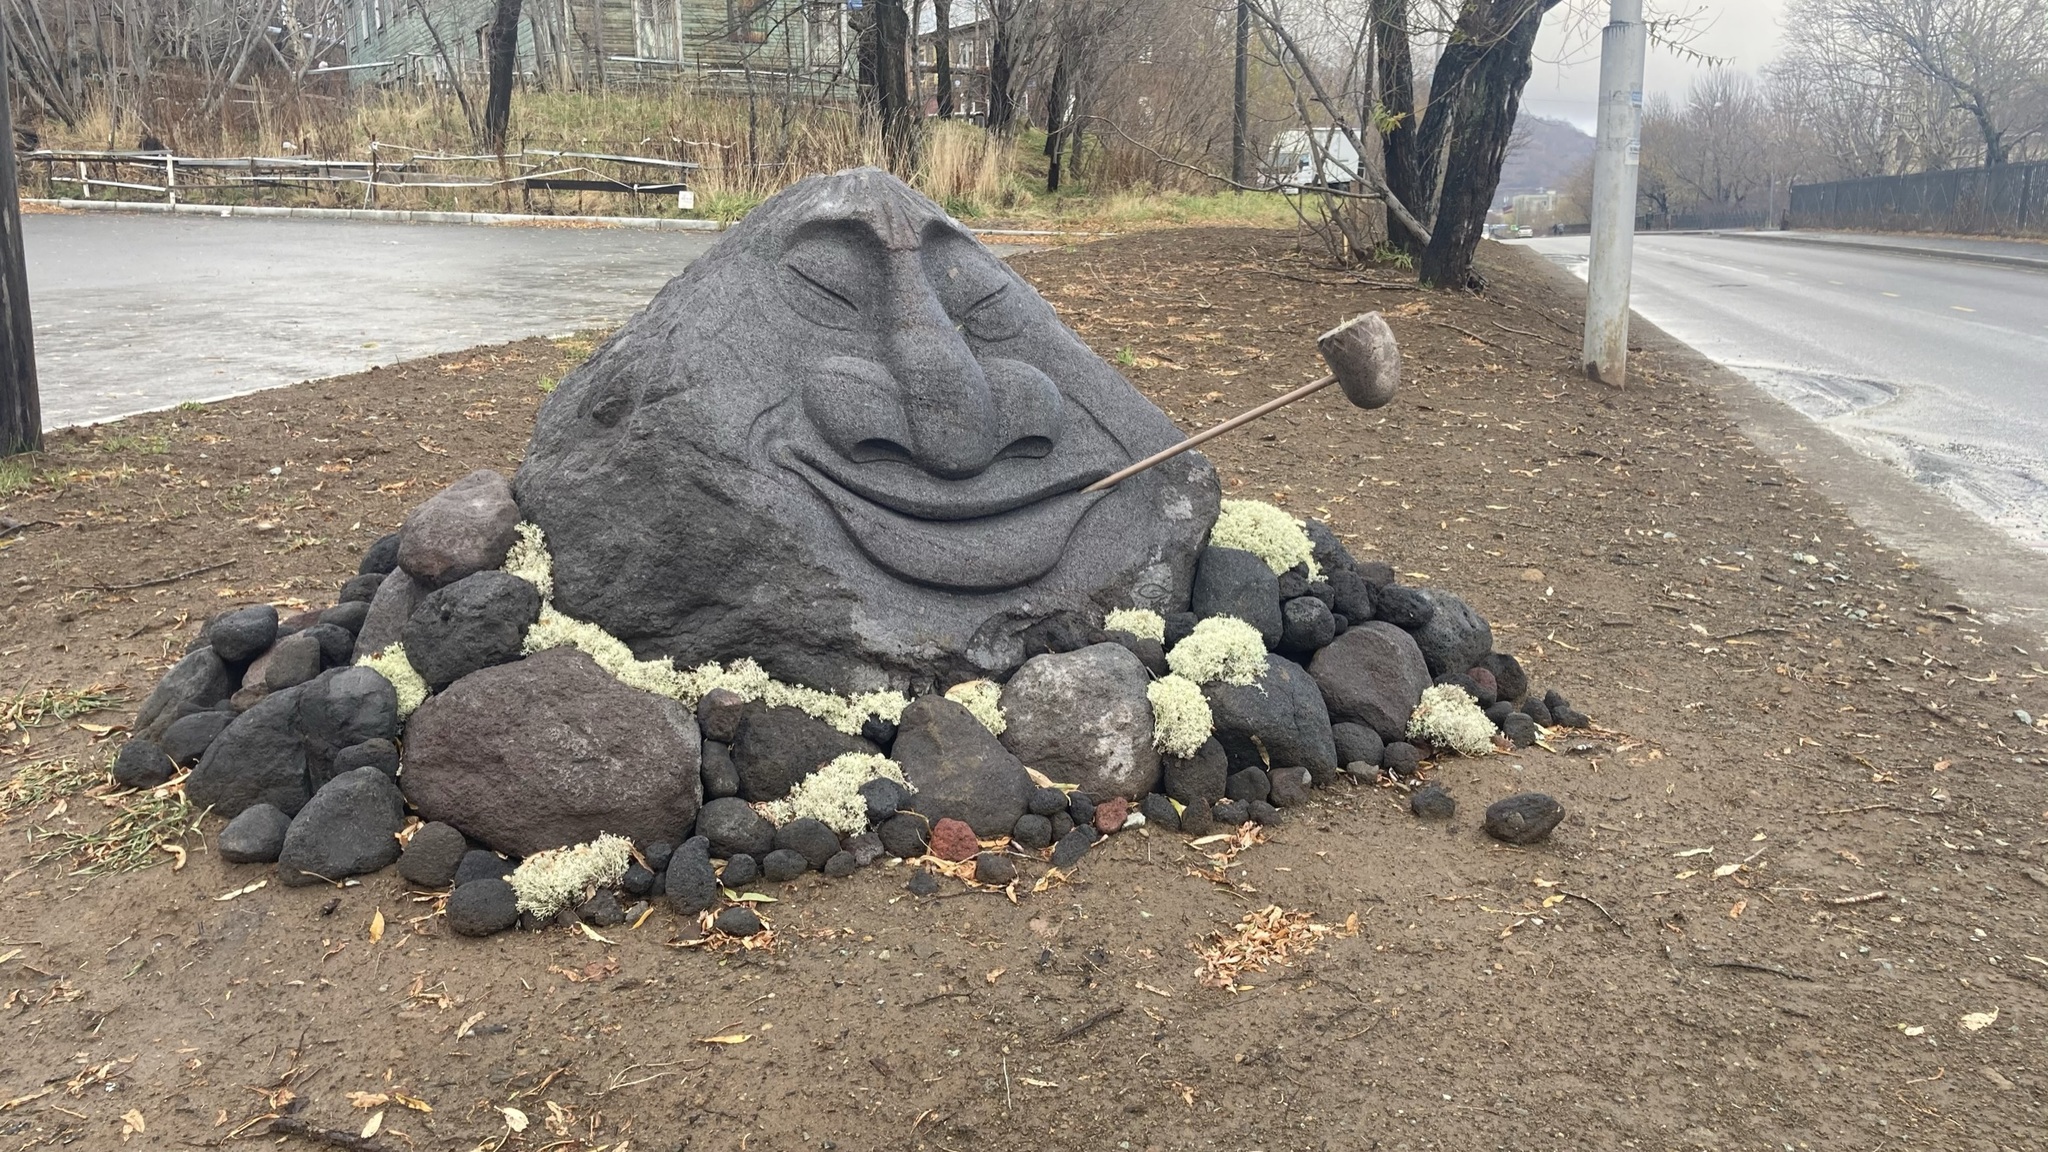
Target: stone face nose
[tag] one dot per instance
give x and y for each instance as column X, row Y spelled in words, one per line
column 951, row 422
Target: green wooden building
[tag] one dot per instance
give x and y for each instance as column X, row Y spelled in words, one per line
column 805, row 45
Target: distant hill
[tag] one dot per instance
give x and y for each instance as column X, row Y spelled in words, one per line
column 1542, row 155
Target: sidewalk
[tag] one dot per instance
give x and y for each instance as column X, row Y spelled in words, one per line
column 2011, row 253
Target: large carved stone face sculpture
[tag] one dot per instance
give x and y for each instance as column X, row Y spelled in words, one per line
column 850, row 443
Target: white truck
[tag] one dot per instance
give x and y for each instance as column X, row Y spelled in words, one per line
column 1312, row 158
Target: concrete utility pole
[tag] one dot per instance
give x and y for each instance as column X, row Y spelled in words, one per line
column 1615, row 156
column 21, row 415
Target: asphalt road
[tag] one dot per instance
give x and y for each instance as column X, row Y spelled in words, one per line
column 1939, row 367
column 138, row 312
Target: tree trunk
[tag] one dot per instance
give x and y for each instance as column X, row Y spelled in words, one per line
column 892, row 81
column 1055, row 112
column 1394, row 100
column 1002, row 106
column 1481, row 112
column 21, row 418
column 502, row 41
column 942, row 27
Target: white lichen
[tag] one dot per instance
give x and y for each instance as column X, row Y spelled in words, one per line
column 984, row 699
column 749, row 681
column 1143, row 623
column 555, row 630
column 1181, row 720
column 1276, row 537
column 1448, row 717
column 832, row 793
column 392, row 665
column 551, row 880
column 1220, row 648
column 529, row 560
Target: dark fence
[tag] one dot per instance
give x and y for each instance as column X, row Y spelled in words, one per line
column 2008, row 200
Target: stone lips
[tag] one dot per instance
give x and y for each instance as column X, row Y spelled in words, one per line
column 758, row 465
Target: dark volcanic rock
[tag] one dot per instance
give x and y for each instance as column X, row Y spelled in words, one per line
column 1159, row 812
column 379, row 754
column 241, row 635
column 922, row 883
column 337, row 644
column 478, row 864
column 381, row 557
column 811, row 839
column 1199, row 779
column 283, row 747
column 879, row 732
column 1519, row 729
column 1080, row 810
column 348, row 617
column 432, row 855
column 1499, row 712
column 738, row 920
column 709, row 482
column 958, row 770
column 1063, row 823
column 740, row 871
column 601, row 911
column 295, row 660
column 1111, row 814
column 1289, row 787
column 1306, row 625
column 1233, row 582
column 691, row 885
column 637, row 880
column 1401, row 760
column 1047, row 801
column 734, row 828
column 1402, row 606
column 1512, row 682
column 187, row 738
column 348, row 828
column 1455, row 638
column 1372, row 675
column 199, row 680
column 865, row 849
column 254, row 837
column 1281, row 712
column 461, row 530
column 142, row 764
column 1357, row 744
column 1249, row 785
column 1083, row 718
column 1262, row 813
column 994, row 868
column 1433, row 803
column 1073, row 846
column 904, row 835
column 658, row 853
column 1351, row 597
column 1032, row 832
column 1230, row 813
column 719, row 712
column 360, row 588
column 474, row 623
column 1178, row 625
column 552, row 751
column 1524, row 818
column 1330, row 553
column 721, row 778
column 390, row 609
column 1151, row 653
column 1532, row 705
column 1293, row 583
column 884, row 799
column 773, row 748
column 482, row 907
column 840, row 865
column 783, row 865
column 1486, row 688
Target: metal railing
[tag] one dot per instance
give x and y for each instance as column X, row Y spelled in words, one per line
column 2005, row 200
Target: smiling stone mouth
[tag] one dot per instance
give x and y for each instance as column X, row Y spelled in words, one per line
column 928, row 532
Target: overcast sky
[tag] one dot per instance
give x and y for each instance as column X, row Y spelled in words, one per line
column 1565, row 85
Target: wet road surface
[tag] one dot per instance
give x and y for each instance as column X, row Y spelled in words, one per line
column 141, row 312
column 1938, row 367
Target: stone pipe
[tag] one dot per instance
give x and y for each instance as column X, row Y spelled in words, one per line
column 1364, row 360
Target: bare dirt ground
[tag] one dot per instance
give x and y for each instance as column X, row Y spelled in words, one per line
column 1797, row 902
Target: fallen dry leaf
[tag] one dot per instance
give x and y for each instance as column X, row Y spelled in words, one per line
column 412, row 1102
column 728, row 1038
column 131, row 1123
column 377, row 926
column 368, row 1099
column 1978, row 1021
column 375, row 1125
column 514, row 1119
column 994, row 974
column 1262, row 938
column 1735, row 912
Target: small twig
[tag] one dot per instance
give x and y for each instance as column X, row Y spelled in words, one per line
column 1866, row 898
column 23, row 526
column 171, row 579
column 1082, row 1028
column 293, row 1126
column 1470, row 333
column 1596, row 908
column 1773, row 969
column 936, row 999
column 1524, row 332
column 1755, row 632
column 1886, row 806
column 1006, row 1083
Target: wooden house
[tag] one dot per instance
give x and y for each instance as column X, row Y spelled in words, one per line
column 804, row 46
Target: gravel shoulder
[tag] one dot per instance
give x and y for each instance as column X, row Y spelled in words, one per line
column 1801, row 871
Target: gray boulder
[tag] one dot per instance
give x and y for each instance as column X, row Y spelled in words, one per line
column 691, row 885
column 360, row 588
column 348, row 616
column 1455, row 638
column 720, row 777
column 295, row 660
column 254, row 837
column 1197, row 781
column 379, row 754
column 186, row 739
column 1330, row 553
column 381, row 557
column 958, row 770
column 349, row 828
column 200, row 680
column 1372, row 675
column 734, row 828
column 141, row 764
column 1402, row 606
column 1350, row 596
column 814, row 840
column 1524, row 818
column 1278, row 719
column 284, row 746
column 392, row 607
column 1082, row 718
column 432, row 856
column 1306, row 625
column 474, row 623
column 774, row 748
column 1356, row 743
column 463, row 529
column 242, row 635
column 849, row 441
column 1233, row 582
column 552, row 751
column 482, row 907
column 477, row 864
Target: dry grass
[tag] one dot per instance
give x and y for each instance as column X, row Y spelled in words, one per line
column 36, row 707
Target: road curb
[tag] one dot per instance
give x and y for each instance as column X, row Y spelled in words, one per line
column 379, row 215
column 1960, row 256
